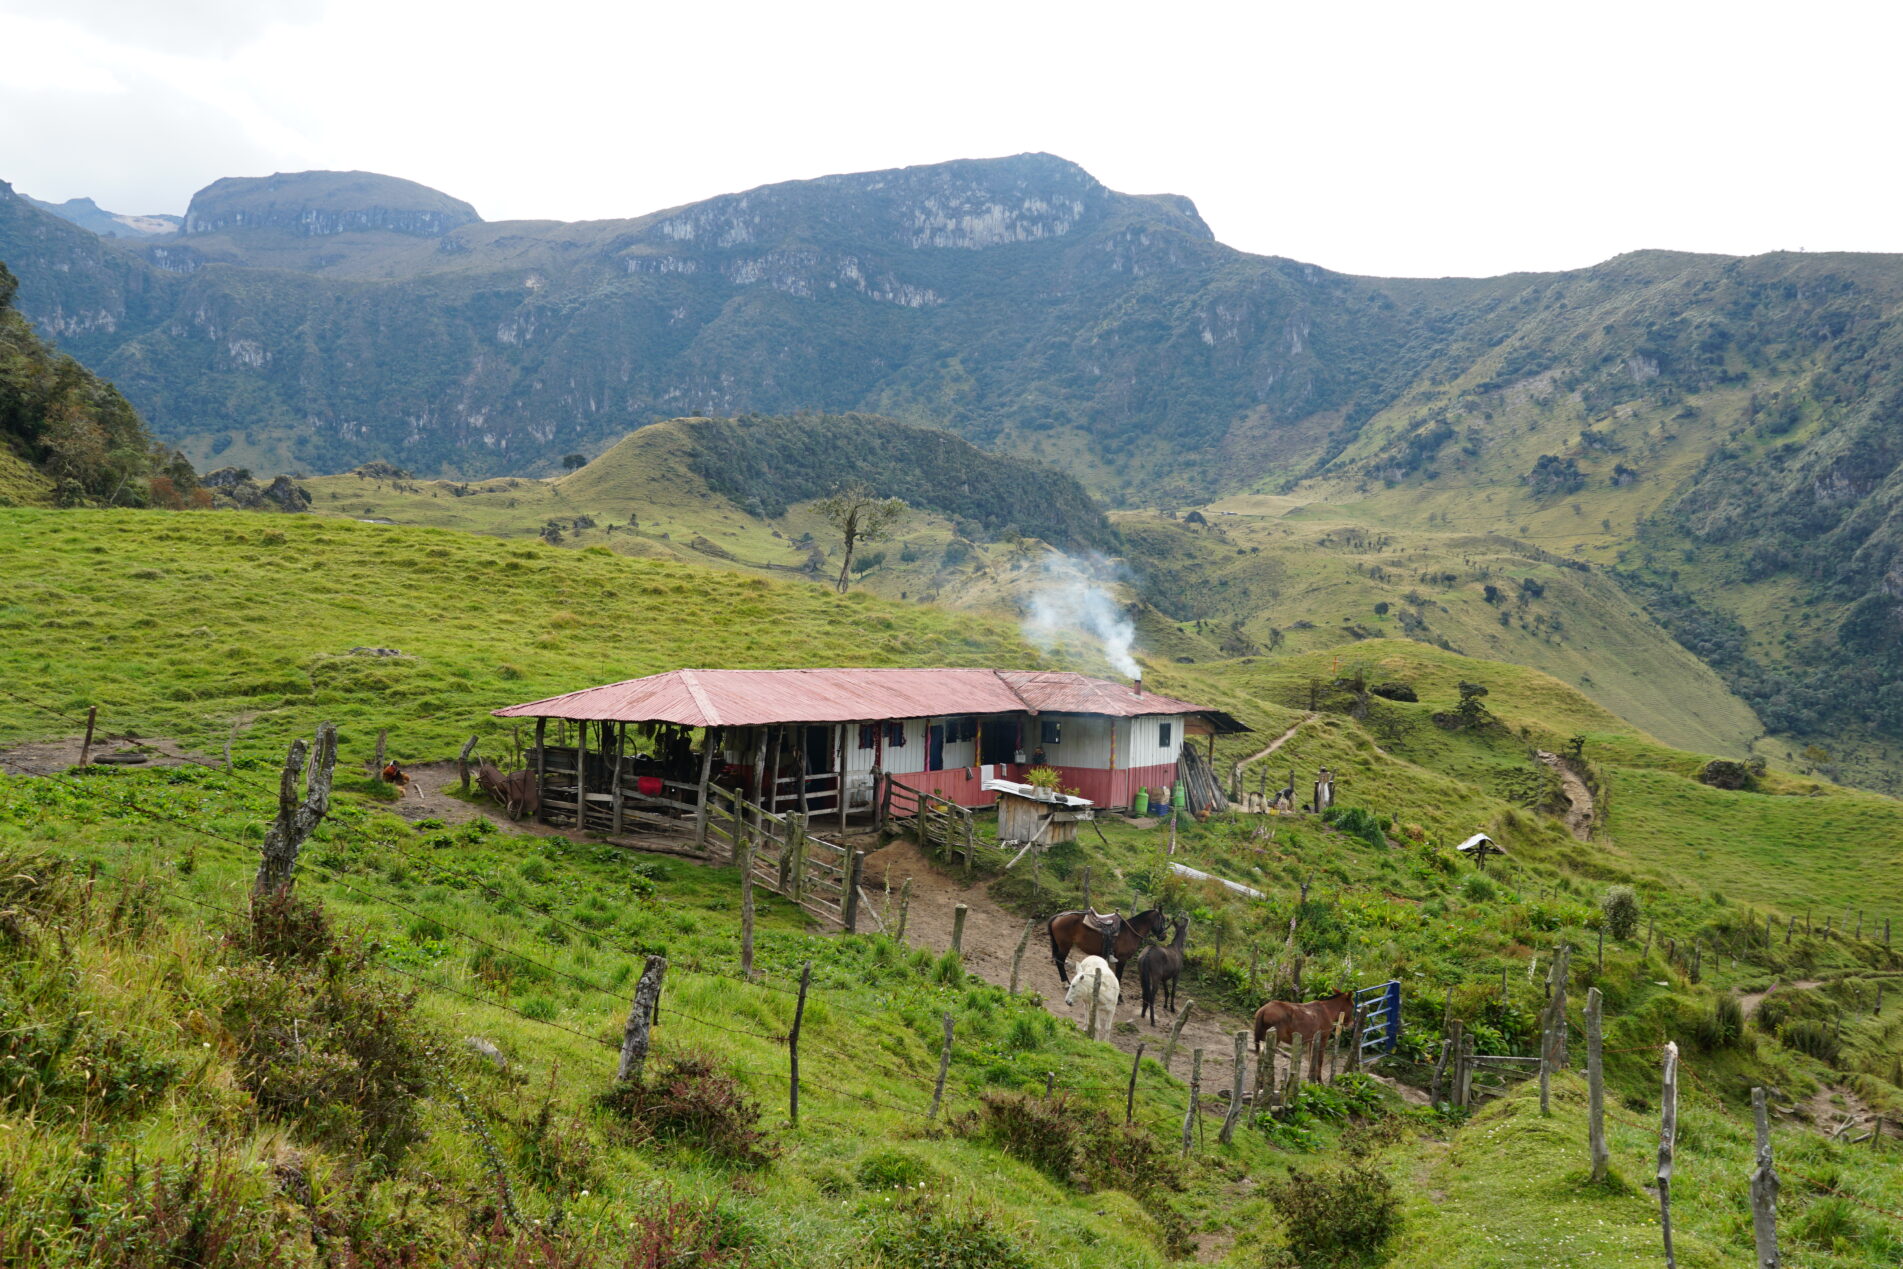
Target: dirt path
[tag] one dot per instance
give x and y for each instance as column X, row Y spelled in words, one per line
column 1750, row 1000
column 54, row 757
column 1278, row 742
column 1579, row 818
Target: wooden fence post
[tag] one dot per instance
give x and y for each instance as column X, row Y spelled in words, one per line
column 743, row 843
column 1017, row 957
column 634, row 1040
column 296, row 820
column 971, row 846
column 1176, row 1033
column 1595, row 1088
column 944, row 1065
column 1291, row 1091
column 1229, row 1120
column 959, row 912
column 1130, row 1096
column 1096, row 993
column 1764, row 1188
column 376, row 763
column 462, row 762
column 793, row 1047
column 1086, row 889
column 1195, row 1091
column 1668, row 1137
column 86, row 745
column 229, row 741
column 849, row 912
column 1440, row 1070
column 905, row 905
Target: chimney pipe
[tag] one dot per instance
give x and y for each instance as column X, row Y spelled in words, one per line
column 1138, row 684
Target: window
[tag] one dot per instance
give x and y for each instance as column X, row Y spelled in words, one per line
column 895, row 735
column 868, row 735
column 961, row 729
column 1050, row 731
column 1163, row 735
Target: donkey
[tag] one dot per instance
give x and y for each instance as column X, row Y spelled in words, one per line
column 1158, row 969
column 517, row 792
column 1314, row 1021
column 1094, row 974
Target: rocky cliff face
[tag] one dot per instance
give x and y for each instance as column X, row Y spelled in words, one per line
column 319, row 204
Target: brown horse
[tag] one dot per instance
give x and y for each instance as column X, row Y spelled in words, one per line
column 1315, row 1021
column 517, row 791
column 1068, row 933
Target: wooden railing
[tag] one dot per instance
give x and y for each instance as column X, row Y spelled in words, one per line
column 785, row 856
column 612, row 793
column 941, row 827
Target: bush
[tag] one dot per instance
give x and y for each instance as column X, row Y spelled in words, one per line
column 1358, row 822
column 689, row 1100
column 332, row 1050
column 926, row 1232
column 1335, row 1216
column 1395, row 691
column 1722, row 773
column 1620, row 907
column 1812, row 1038
column 1074, row 1144
column 283, row 927
column 1720, row 1028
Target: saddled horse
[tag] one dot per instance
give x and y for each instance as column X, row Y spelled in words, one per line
column 1069, row 932
column 1314, row 1021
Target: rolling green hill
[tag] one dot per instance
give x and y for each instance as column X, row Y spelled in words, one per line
column 172, row 1001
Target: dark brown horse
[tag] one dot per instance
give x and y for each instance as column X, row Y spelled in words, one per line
column 1314, row 1021
column 1158, row 969
column 1069, row 933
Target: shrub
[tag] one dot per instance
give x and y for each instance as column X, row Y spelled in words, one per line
column 1074, row 1144
column 1356, row 821
column 1722, row 773
column 689, row 1100
column 1620, row 907
column 1811, row 1038
column 1334, row 1216
column 1722, row 1027
column 1395, row 691
column 332, row 1050
column 283, row 927
column 891, row 1169
column 926, row 1232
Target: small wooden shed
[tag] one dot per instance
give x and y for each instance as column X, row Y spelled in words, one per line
column 1029, row 815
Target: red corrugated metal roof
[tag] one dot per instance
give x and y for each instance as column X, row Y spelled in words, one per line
column 750, row 698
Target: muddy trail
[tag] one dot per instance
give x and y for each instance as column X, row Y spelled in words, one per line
column 1579, row 817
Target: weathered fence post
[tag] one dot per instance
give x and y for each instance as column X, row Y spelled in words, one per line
column 743, row 847
column 958, row 929
column 1130, row 1095
column 944, row 1065
column 793, row 1047
column 905, row 906
column 1668, row 1137
column 1595, row 1088
column 462, row 762
column 1292, row 1089
column 1602, row 949
column 1195, row 1091
column 1096, row 993
column 1440, row 1071
column 376, row 763
column 1764, row 1188
column 634, row 1040
column 296, row 820
column 1017, row 957
column 849, row 911
column 1176, row 1032
column 1086, row 889
column 1230, row 1120
column 86, row 745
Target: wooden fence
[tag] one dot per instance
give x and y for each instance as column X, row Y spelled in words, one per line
column 941, row 827
column 785, row 856
column 610, row 789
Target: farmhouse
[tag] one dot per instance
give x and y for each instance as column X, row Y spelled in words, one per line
column 833, row 740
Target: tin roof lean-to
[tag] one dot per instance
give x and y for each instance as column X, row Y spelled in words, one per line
column 752, row 698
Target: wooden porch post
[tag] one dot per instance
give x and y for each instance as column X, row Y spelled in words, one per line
column 581, row 775
column 840, row 783
column 708, row 738
column 776, row 737
column 759, row 777
column 799, row 765
column 614, row 765
column 541, row 769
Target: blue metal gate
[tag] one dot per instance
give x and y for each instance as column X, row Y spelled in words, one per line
column 1380, row 1010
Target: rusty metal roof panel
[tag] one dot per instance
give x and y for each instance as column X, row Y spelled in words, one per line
column 751, row 698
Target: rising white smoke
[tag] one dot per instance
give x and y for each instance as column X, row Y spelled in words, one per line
column 1074, row 597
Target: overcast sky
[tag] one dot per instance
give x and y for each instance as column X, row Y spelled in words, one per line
column 1410, row 139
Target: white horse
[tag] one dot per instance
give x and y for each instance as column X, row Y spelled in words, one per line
column 1108, row 993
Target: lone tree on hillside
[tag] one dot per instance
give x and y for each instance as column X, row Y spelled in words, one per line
column 860, row 516
column 572, row 461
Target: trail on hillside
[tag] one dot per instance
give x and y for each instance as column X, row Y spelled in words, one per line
column 1278, row 742
column 1750, row 1000
column 1579, row 818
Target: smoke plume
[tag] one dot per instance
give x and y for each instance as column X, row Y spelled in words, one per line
column 1074, row 597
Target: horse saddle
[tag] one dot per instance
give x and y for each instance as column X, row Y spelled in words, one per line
column 1103, row 922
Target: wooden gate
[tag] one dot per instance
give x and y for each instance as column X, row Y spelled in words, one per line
column 785, row 857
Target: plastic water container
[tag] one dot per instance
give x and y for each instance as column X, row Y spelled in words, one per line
column 1142, row 804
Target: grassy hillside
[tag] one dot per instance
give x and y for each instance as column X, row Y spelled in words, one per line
column 177, row 625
